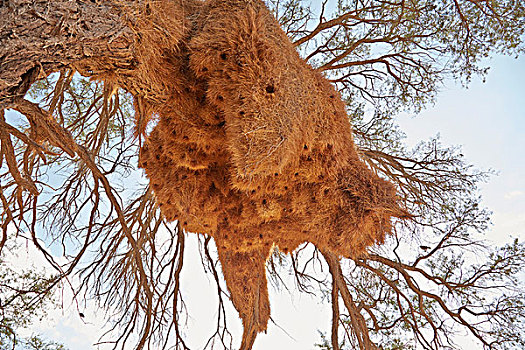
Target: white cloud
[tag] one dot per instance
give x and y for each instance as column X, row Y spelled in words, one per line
column 513, row 194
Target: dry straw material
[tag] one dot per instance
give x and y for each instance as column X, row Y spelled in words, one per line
column 253, row 146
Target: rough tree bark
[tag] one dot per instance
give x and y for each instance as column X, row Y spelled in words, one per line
column 41, row 37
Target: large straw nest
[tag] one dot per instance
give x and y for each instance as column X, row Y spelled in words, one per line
column 252, row 146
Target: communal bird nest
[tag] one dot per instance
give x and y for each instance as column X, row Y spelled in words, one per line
column 252, row 146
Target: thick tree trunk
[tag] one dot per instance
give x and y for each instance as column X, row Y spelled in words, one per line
column 39, row 37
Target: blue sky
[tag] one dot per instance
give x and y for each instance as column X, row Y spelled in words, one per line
column 488, row 121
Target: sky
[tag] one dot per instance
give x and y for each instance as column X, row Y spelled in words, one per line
column 487, row 120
